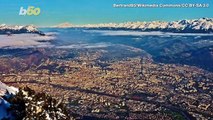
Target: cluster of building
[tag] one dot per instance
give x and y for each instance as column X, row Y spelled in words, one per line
column 130, row 88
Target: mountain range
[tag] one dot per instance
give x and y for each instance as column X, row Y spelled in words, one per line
column 202, row 25
column 5, row 29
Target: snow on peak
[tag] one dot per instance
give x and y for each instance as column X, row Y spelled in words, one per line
column 4, row 105
column 202, row 25
column 4, row 88
column 5, row 29
column 30, row 28
column 64, row 25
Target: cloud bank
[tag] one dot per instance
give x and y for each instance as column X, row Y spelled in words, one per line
column 139, row 33
column 80, row 46
column 25, row 40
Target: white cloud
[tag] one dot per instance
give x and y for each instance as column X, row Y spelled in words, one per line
column 79, row 46
column 24, row 40
column 138, row 33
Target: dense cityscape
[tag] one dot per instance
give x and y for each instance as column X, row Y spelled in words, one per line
column 130, row 88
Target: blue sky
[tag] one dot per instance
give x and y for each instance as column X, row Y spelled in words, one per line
column 96, row 11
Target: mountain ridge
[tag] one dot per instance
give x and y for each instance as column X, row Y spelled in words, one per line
column 16, row 29
column 201, row 25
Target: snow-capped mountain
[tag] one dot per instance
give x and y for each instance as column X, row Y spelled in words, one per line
column 63, row 25
column 202, row 25
column 26, row 104
column 5, row 29
column 5, row 91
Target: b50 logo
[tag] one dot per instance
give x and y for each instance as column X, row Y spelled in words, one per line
column 30, row 11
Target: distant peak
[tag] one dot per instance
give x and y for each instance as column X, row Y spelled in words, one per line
column 64, row 25
column 202, row 25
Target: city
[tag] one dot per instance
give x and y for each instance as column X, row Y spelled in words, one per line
column 129, row 88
